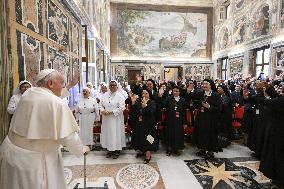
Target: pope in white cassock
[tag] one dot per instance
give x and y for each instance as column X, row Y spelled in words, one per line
column 112, row 130
column 87, row 112
column 30, row 156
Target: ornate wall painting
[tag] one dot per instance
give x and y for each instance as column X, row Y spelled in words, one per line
column 188, row 72
column 30, row 57
column 59, row 61
column 104, row 32
column 239, row 34
column 282, row 14
column 57, row 25
column 261, row 21
column 75, row 42
column 219, row 69
column 198, row 71
column 279, row 62
column 236, row 67
column 161, row 34
column 280, row 59
column 224, row 38
column 75, row 65
column 29, row 14
column 97, row 14
column 152, row 71
column 119, row 72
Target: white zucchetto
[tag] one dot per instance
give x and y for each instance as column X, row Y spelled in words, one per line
column 43, row 73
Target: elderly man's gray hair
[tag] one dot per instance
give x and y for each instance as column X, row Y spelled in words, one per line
column 50, row 76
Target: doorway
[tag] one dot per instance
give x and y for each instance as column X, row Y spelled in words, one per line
column 132, row 75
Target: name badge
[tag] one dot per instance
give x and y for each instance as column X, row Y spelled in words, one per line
column 177, row 114
column 257, row 111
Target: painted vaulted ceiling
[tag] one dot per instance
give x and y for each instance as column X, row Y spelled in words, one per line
column 199, row 3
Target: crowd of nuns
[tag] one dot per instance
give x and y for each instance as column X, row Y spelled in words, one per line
column 211, row 106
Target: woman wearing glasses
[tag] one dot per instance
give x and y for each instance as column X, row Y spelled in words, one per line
column 144, row 137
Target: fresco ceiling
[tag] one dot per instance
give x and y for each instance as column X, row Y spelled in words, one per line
column 199, row 3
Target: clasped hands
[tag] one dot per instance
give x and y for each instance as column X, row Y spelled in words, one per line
column 206, row 105
column 104, row 112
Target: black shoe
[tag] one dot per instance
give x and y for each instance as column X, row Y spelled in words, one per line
column 201, row 153
column 209, row 155
column 168, row 152
column 138, row 155
column 92, row 147
column 178, row 153
column 146, row 161
column 109, row 154
column 115, row 155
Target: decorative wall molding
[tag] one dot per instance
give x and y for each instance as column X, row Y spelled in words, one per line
column 200, row 3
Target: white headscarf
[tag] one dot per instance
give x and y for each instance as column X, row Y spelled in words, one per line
column 89, row 83
column 85, row 88
column 111, row 81
column 104, row 84
column 120, row 89
column 18, row 91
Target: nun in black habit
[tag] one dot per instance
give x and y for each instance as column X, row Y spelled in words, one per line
column 225, row 128
column 144, row 135
column 272, row 159
column 175, row 122
column 205, row 132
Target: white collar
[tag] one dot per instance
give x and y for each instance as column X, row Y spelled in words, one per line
column 208, row 93
column 112, row 93
column 177, row 98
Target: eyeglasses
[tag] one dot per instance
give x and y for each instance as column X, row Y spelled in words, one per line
column 112, row 85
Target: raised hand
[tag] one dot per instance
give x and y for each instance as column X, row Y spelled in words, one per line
column 133, row 98
column 138, row 79
column 74, row 81
column 144, row 102
column 161, row 92
column 245, row 92
column 189, row 88
column 206, row 105
column 265, row 93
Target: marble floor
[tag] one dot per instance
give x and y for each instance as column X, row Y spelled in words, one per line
column 175, row 171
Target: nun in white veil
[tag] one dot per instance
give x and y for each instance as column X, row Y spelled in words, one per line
column 123, row 92
column 21, row 88
column 112, row 130
column 93, row 92
column 87, row 112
